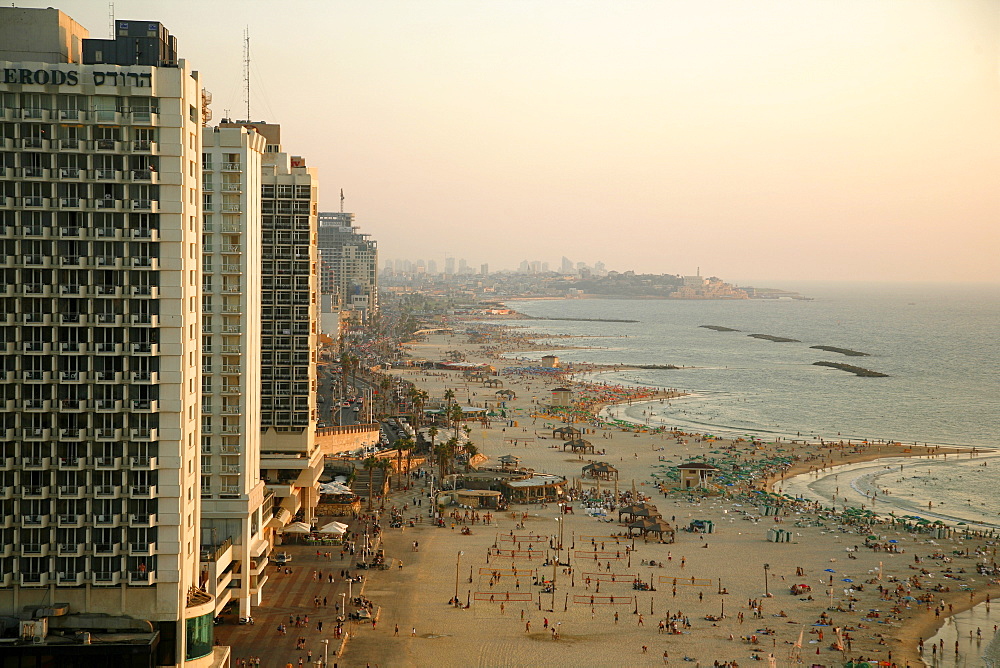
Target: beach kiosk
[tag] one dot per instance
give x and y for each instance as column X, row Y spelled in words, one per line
column 550, row 361
column 537, row 488
column 696, row 474
column 562, row 397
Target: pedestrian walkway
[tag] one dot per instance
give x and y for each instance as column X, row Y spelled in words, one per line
column 287, row 596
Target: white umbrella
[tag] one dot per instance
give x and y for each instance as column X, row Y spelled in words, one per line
column 298, row 527
column 332, row 528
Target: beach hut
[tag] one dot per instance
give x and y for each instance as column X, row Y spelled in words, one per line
column 550, row 361
column 647, row 526
column 579, row 445
column 636, row 511
column 600, row 470
column 696, row 474
column 566, row 433
column 493, row 382
column 509, row 462
column 506, row 395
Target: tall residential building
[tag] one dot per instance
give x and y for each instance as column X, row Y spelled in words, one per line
column 449, row 266
column 291, row 460
column 350, row 264
column 236, row 506
column 99, row 335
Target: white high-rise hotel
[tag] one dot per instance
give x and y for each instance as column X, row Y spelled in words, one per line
column 147, row 445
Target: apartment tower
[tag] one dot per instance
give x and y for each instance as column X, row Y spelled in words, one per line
column 291, row 460
column 236, row 506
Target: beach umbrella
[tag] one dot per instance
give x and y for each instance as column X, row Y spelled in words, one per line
column 847, row 580
column 297, row 527
column 829, row 570
column 332, row 528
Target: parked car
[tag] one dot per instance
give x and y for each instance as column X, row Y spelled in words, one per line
column 282, row 558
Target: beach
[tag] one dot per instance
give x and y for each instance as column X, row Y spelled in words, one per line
column 860, row 572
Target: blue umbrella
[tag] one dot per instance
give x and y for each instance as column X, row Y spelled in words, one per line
column 829, row 570
column 847, row 580
column 893, row 541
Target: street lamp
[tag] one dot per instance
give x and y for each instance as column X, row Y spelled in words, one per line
column 326, row 651
column 767, row 567
column 458, row 560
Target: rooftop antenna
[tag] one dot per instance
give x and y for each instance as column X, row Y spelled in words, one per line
column 246, row 68
column 342, row 200
column 111, row 20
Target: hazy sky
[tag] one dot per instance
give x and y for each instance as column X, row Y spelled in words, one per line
column 759, row 140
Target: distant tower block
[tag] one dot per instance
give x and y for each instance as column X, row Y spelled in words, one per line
column 550, row 361
column 562, row 396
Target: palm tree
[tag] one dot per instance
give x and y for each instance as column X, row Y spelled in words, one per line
column 383, row 465
column 449, row 396
column 471, row 451
column 455, row 414
column 370, row 463
column 406, row 444
column 383, row 387
column 432, row 432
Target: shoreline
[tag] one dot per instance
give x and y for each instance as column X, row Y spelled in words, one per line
column 802, row 457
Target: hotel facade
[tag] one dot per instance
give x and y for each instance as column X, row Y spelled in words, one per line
column 100, row 329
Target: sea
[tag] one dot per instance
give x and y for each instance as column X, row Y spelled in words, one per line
column 936, row 343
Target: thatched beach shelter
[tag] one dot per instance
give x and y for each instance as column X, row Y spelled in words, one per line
column 647, row 526
column 566, row 433
column 579, row 445
column 636, row 511
column 601, row 471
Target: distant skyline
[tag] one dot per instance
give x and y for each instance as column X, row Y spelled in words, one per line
column 767, row 140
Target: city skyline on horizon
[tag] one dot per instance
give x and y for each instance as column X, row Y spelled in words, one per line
column 766, row 140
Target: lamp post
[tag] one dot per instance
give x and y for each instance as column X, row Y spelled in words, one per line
column 326, row 651
column 458, row 560
column 767, row 567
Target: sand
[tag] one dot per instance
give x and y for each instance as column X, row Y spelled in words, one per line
column 431, row 632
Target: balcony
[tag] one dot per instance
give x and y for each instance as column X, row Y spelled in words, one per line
column 70, row 579
column 32, row 434
column 106, row 520
column 108, row 434
column 72, row 376
column 145, row 291
column 107, row 348
column 71, row 405
column 34, row 463
column 141, row 549
column 231, row 167
column 145, row 376
column 66, row 289
column 34, row 579
column 35, row 405
column 138, row 521
column 70, row 521
column 144, row 205
column 142, row 491
column 230, row 389
column 231, row 248
column 145, row 405
column 142, row 463
column 231, row 350
column 108, row 377
column 72, row 434
column 144, row 319
column 142, row 146
column 232, row 410
column 231, row 269
column 229, row 491
column 32, row 520
column 71, row 463
column 106, row 261
column 143, row 434
column 34, row 492
column 107, row 463
column 107, row 549
column 106, row 578
column 145, row 262
column 147, row 233
column 145, row 348
column 232, row 288
column 71, row 491
column 70, row 549
column 141, row 578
